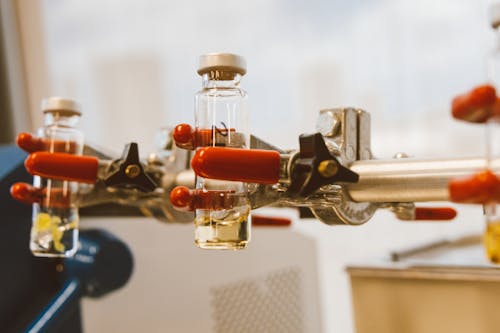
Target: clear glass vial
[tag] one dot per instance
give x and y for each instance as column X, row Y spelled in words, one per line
column 221, row 120
column 54, row 230
column 492, row 210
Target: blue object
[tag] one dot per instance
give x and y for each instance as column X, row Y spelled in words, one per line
column 102, row 264
column 35, row 293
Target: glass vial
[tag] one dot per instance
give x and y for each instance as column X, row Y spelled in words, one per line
column 492, row 210
column 54, row 230
column 221, row 120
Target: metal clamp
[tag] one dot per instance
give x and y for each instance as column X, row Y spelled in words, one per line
column 349, row 137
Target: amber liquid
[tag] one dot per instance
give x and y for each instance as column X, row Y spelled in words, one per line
column 227, row 229
column 492, row 241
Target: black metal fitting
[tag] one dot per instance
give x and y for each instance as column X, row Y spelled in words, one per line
column 128, row 172
column 316, row 167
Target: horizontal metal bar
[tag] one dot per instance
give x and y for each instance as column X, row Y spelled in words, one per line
column 411, row 180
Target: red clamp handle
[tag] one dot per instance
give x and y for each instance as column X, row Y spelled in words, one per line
column 435, row 213
column 481, row 188
column 185, row 199
column 243, row 165
column 186, row 137
column 476, row 106
column 270, row 221
column 32, row 144
column 25, row 193
column 61, row 166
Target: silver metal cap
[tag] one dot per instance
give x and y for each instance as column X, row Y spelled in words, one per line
column 63, row 105
column 494, row 14
column 222, row 61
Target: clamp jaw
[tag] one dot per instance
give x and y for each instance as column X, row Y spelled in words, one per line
column 146, row 184
column 349, row 130
column 327, row 175
column 333, row 174
column 127, row 180
column 315, row 176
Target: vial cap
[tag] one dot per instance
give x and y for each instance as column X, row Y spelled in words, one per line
column 494, row 14
column 222, row 61
column 65, row 106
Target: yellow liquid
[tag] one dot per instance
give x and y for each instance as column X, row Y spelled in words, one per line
column 53, row 236
column 223, row 229
column 492, row 241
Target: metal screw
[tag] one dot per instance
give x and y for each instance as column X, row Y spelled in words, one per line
column 132, row 171
column 328, row 168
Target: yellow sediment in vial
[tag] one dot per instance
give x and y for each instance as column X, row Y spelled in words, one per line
column 42, row 222
column 492, row 241
column 53, row 224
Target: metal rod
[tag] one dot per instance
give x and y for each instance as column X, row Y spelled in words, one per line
column 411, row 180
column 59, row 308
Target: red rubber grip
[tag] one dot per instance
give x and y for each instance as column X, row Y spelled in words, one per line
column 243, row 165
column 58, row 197
column 185, row 199
column 26, row 193
column 61, row 166
column 481, row 188
column 28, row 143
column 186, row 137
column 435, row 213
column 32, row 144
column 476, row 106
column 270, row 221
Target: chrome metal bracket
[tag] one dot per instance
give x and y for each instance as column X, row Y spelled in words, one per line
column 347, row 133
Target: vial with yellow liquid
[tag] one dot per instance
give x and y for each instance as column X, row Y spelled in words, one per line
column 221, row 119
column 492, row 209
column 492, row 234
column 54, row 230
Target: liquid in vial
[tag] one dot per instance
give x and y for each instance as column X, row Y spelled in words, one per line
column 54, row 229
column 492, row 241
column 54, row 233
column 224, row 228
column 221, row 120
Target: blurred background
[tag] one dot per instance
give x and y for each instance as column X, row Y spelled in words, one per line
column 132, row 65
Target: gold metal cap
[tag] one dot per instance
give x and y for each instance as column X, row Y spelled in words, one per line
column 222, row 62
column 66, row 106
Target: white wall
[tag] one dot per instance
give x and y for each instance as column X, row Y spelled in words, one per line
column 132, row 64
column 400, row 60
